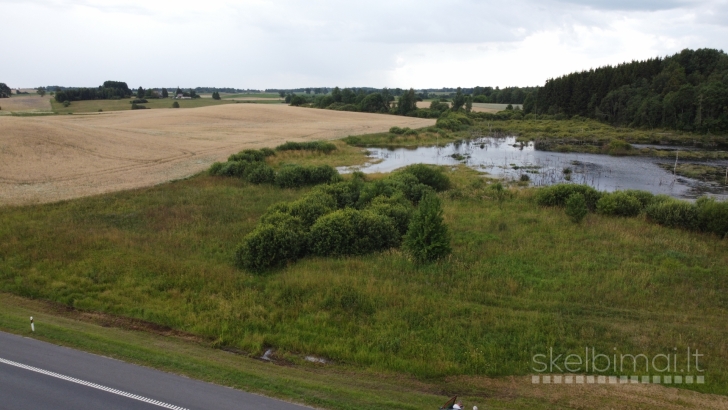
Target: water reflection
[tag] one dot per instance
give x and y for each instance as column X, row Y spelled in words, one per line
column 503, row 157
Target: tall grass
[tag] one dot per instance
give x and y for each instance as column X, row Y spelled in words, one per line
column 521, row 279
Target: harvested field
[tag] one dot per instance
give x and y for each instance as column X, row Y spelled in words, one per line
column 25, row 103
column 52, row 158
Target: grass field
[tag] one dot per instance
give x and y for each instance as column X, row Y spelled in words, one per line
column 31, row 103
column 124, row 105
column 522, row 279
column 251, row 95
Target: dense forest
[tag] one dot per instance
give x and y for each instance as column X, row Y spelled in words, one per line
column 687, row 91
column 108, row 91
column 508, row 95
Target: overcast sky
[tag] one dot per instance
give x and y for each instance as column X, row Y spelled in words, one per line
column 311, row 43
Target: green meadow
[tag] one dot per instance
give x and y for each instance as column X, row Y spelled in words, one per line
column 521, row 279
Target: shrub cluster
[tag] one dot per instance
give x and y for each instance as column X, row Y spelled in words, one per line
column 453, row 121
column 322, row 146
column 296, row 176
column 352, row 217
column 403, row 131
column 250, row 165
column 619, row 203
column 705, row 215
column 556, row 195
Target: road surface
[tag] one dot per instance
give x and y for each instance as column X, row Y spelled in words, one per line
column 38, row 375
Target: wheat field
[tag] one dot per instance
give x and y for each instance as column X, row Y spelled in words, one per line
column 52, row 158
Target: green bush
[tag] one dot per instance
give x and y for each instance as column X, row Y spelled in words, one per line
column 311, row 207
column 346, row 194
column 675, row 214
column 427, row 238
column 321, row 146
column 229, row 169
column 453, row 121
column 323, row 174
column 397, row 208
column 175, row 104
column 296, row 176
column 259, row 173
column 576, row 207
column 292, row 176
column 556, row 195
column 430, row 176
column 645, row 198
column 398, row 130
column 270, row 246
column 252, row 155
column 713, row 216
column 267, row 152
column 619, row 204
column 215, row 168
column 352, row 232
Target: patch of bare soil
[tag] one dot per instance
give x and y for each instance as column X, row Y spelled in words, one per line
column 52, row 158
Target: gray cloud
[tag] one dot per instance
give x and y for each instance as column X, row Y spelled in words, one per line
column 288, row 43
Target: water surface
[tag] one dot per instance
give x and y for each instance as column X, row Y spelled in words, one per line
column 504, row 158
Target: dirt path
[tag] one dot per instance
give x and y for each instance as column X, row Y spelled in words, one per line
column 52, row 158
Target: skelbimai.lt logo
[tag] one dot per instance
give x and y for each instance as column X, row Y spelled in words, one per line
column 593, row 367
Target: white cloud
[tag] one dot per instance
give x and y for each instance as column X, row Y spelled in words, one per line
column 290, row 43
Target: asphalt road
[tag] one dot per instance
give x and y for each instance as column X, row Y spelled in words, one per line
column 38, row 375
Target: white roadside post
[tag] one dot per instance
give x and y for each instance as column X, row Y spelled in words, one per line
column 32, row 326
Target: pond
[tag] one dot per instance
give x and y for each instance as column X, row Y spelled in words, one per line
column 504, row 158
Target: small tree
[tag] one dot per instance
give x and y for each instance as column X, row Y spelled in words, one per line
column 175, row 105
column 41, row 91
column 459, row 100
column 140, row 93
column 165, row 93
column 178, row 92
column 576, row 207
column 215, row 95
column 469, row 104
column 427, row 238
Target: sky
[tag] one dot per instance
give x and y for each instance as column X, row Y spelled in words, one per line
column 316, row 43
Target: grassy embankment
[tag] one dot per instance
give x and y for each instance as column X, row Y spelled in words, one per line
column 521, row 279
column 414, row 138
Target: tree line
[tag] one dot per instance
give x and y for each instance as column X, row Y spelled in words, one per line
column 686, row 91
column 108, row 91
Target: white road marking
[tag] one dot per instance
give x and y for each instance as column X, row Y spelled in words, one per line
column 94, row 385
